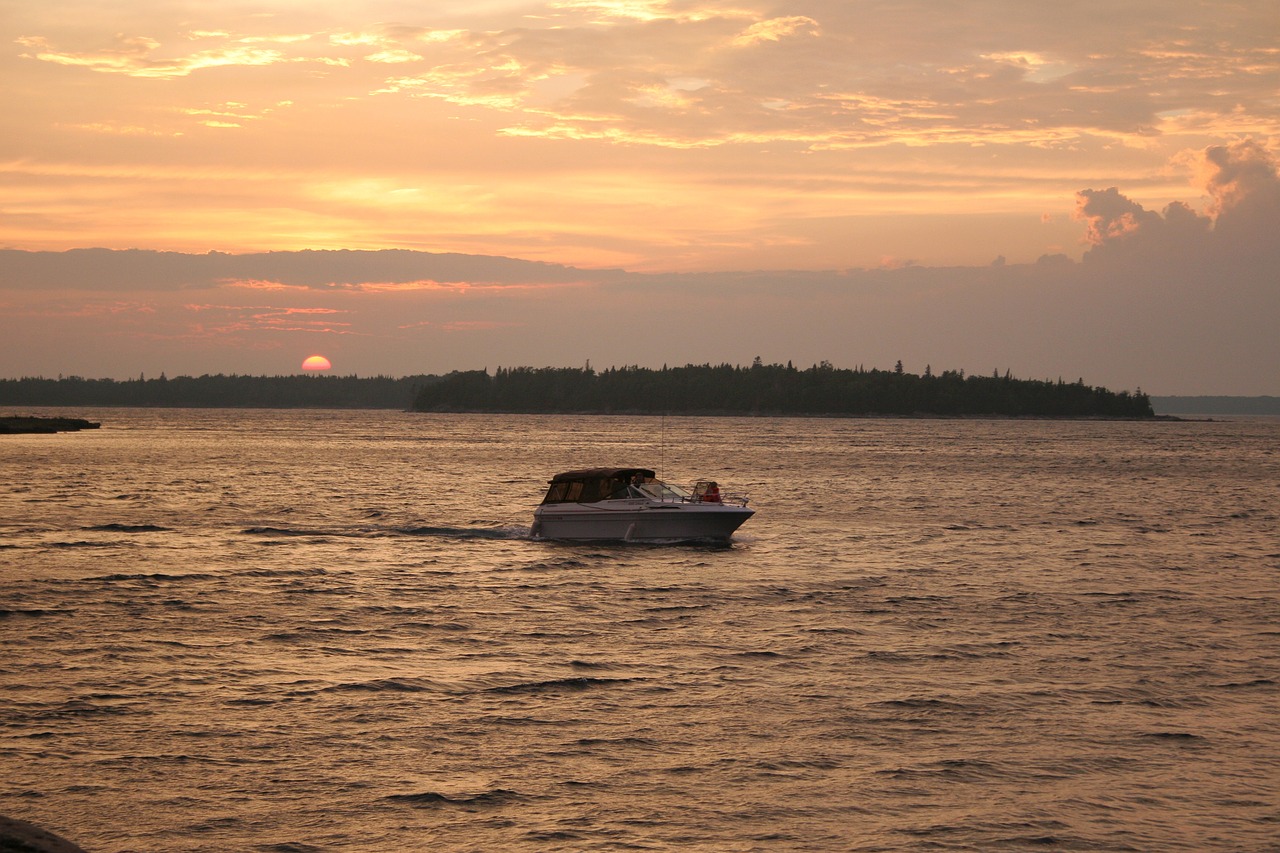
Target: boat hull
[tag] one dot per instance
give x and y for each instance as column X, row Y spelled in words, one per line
column 630, row 521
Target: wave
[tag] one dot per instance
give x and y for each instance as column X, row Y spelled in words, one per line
column 921, row 704
column 266, row 530
column 620, row 742
column 554, row 684
column 128, row 528
column 385, row 685
column 587, row 664
column 428, row 799
column 283, row 573
column 159, row 576
column 1240, row 685
column 955, row 769
column 33, row 612
column 81, row 543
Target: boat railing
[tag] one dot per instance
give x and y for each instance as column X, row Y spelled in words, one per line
column 708, row 491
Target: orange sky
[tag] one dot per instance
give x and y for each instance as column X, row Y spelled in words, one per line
column 645, row 135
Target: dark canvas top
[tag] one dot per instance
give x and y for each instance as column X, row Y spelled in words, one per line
column 589, row 485
column 601, row 474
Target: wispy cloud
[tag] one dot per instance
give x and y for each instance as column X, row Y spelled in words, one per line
column 805, row 80
column 477, row 325
column 239, row 320
column 138, row 56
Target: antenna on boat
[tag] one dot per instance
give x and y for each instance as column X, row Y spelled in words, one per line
column 662, row 442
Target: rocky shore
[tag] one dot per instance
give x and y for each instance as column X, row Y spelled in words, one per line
column 13, row 425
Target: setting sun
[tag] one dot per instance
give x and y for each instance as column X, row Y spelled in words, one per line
column 316, row 362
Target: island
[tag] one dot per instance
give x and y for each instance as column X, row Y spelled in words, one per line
column 775, row 390
column 15, row 425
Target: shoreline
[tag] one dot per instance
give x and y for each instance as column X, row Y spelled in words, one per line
column 38, row 424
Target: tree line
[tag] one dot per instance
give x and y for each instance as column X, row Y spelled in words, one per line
column 218, row 391
column 773, row 389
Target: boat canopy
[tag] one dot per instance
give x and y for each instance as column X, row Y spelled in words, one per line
column 589, row 485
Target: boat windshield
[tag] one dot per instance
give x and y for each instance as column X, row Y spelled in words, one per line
column 660, row 491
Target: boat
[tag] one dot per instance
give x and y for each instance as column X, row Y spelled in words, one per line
column 633, row 505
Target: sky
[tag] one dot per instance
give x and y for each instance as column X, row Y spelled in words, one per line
column 1076, row 190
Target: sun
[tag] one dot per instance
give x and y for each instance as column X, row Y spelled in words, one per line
column 316, row 362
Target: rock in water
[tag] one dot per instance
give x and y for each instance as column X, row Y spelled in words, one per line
column 18, row 836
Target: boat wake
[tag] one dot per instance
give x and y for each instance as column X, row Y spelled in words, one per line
column 500, row 532
column 503, row 532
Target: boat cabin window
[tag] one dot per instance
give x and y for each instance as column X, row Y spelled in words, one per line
column 584, row 491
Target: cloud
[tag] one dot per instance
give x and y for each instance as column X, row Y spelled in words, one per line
column 870, row 83
column 1243, row 187
column 478, row 325
column 1119, row 230
column 66, row 309
column 1110, row 216
column 775, row 29
column 461, row 287
column 597, row 11
column 389, row 269
column 136, row 57
column 237, row 321
column 932, row 84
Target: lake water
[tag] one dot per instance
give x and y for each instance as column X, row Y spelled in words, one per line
column 301, row 631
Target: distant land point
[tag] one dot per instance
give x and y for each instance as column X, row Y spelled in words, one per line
column 15, row 425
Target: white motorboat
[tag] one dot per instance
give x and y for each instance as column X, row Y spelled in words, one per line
column 633, row 505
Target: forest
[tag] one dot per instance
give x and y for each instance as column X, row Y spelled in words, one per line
column 773, row 389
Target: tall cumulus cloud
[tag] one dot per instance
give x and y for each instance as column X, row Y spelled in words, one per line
column 1242, row 186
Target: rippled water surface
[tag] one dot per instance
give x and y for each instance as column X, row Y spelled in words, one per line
column 329, row 631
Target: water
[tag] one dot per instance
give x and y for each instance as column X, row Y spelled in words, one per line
column 329, row 631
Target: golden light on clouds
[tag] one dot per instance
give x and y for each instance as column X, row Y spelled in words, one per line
column 136, row 57
column 329, row 127
column 774, row 29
